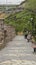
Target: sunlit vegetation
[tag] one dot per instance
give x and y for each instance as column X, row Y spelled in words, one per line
column 22, row 19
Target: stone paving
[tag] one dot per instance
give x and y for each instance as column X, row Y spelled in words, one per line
column 18, row 52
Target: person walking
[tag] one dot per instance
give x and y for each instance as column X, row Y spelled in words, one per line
column 33, row 44
column 29, row 37
column 26, row 34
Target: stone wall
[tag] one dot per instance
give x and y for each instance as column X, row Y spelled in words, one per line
column 10, row 33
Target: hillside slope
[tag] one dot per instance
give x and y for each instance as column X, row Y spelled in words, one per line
column 29, row 4
column 22, row 20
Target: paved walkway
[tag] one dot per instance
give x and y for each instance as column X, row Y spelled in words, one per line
column 18, row 52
